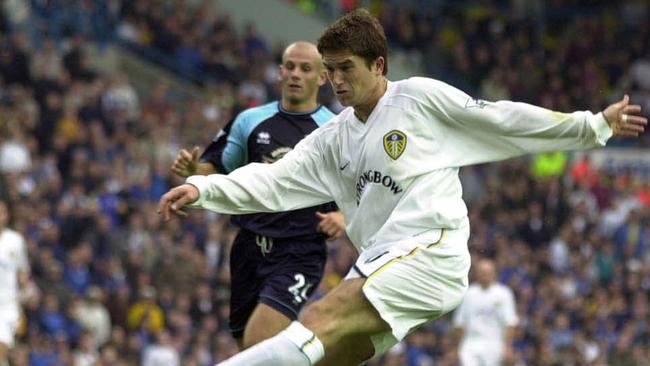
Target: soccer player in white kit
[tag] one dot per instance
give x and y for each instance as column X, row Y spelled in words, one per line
column 390, row 161
column 486, row 319
column 14, row 272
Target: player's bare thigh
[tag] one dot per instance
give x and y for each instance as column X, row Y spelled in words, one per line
column 343, row 321
column 264, row 323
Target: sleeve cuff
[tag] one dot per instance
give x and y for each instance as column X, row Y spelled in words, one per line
column 201, row 184
column 601, row 128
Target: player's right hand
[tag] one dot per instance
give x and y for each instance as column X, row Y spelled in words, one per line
column 186, row 162
column 174, row 200
column 332, row 224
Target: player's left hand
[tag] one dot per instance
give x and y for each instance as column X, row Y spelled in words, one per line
column 174, row 200
column 331, row 224
column 623, row 118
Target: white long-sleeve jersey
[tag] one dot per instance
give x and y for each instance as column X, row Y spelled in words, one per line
column 485, row 313
column 396, row 175
column 13, row 258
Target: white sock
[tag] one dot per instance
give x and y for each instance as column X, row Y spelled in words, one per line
column 294, row 346
column 305, row 340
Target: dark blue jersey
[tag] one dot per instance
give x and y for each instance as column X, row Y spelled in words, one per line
column 265, row 134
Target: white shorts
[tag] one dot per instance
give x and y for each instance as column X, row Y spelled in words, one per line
column 480, row 353
column 9, row 320
column 411, row 283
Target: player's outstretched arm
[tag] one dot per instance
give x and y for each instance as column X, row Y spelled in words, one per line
column 623, row 118
column 174, row 200
column 331, row 224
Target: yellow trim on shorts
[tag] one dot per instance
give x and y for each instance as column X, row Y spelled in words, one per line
column 405, row 256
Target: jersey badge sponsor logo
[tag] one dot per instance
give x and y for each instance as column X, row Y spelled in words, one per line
column 475, row 103
column 394, row 143
column 375, row 177
column 264, row 138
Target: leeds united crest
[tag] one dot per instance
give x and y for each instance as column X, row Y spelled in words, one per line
column 394, row 143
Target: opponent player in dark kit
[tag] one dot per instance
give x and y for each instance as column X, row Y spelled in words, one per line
column 277, row 259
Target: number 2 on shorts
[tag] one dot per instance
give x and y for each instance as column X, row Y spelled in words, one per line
column 299, row 290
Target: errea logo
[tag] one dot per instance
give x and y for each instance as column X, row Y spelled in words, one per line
column 264, row 138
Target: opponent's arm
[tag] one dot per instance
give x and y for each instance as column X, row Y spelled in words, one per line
column 224, row 154
column 187, row 163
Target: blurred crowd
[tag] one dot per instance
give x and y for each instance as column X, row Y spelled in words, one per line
column 84, row 159
column 563, row 54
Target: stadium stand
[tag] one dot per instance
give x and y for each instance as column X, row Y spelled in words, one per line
column 84, row 157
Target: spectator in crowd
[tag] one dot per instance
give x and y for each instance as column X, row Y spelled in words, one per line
column 86, row 353
column 93, row 316
column 145, row 314
column 15, row 156
column 162, row 352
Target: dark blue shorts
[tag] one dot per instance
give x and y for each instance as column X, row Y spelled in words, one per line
column 281, row 273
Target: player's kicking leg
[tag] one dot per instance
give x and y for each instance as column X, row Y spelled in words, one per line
column 408, row 284
column 342, row 324
column 344, row 321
